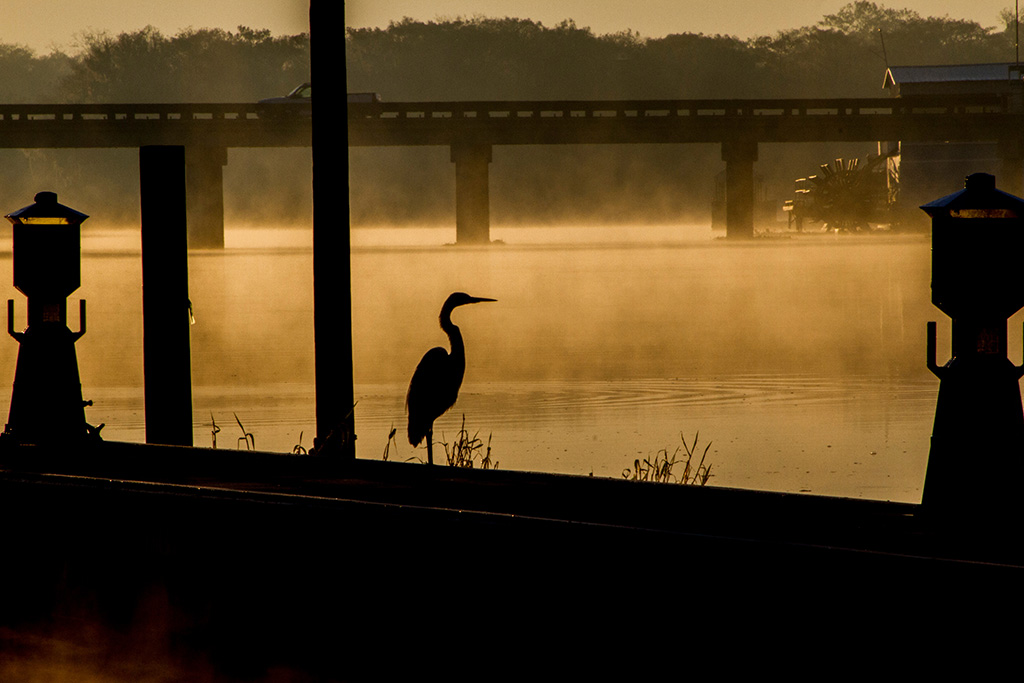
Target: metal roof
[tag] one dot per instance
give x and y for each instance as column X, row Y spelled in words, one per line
column 897, row 75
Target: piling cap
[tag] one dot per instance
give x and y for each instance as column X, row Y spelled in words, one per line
column 46, row 211
column 978, row 199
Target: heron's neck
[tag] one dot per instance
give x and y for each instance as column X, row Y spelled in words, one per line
column 455, row 338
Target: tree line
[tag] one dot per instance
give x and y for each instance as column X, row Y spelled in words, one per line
column 145, row 66
column 840, row 55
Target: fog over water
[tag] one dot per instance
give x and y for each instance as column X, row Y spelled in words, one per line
column 800, row 358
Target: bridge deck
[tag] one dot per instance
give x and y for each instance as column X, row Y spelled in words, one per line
column 978, row 117
column 682, row 121
column 138, row 125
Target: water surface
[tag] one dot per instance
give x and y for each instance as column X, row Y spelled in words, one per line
column 799, row 358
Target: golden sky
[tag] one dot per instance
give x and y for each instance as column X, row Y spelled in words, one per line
column 45, row 24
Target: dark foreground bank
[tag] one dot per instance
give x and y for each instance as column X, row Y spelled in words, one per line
column 253, row 566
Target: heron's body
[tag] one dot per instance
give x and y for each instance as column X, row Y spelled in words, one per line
column 438, row 377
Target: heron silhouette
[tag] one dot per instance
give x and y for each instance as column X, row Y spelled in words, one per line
column 435, row 384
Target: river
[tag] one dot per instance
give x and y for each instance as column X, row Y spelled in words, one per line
column 798, row 359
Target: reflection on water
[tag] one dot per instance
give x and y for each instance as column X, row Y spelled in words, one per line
column 800, row 359
column 861, row 438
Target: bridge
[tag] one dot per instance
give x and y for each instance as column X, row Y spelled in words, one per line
column 471, row 129
column 204, row 131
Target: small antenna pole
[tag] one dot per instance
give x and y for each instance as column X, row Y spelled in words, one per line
column 885, row 57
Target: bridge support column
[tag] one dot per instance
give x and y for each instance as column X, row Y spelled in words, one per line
column 204, row 189
column 166, row 351
column 739, row 158
column 1011, row 172
column 472, row 193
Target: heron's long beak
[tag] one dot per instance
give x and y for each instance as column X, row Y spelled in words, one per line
column 478, row 299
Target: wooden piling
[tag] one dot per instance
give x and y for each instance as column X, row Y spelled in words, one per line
column 165, row 303
column 332, row 268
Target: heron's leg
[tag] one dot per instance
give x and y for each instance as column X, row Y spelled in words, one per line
column 430, row 446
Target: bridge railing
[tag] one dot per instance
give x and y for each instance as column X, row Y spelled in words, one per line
column 971, row 104
column 126, row 112
column 526, row 109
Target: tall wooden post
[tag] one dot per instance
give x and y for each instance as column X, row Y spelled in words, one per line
column 332, row 268
column 166, row 348
column 739, row 158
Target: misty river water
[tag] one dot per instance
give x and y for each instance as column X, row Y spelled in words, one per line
column 799, row 358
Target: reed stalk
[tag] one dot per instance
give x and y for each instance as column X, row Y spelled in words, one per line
column 662, row 468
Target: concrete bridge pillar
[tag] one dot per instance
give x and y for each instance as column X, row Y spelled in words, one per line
column 739, row 158
column 472, row 193
column 204, row 190
column 1011, row 172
